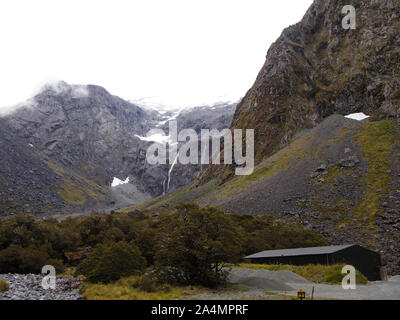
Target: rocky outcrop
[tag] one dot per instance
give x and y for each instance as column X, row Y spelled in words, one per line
column 317, row 68
column 218, row 116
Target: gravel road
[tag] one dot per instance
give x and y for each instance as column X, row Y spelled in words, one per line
column 262, row 284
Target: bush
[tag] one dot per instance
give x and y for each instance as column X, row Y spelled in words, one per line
column 193, row 245
column 110, row 262
column 27, row 244
column 23, row 260
column 25, row 231
column 3, row 286
column 263, row 233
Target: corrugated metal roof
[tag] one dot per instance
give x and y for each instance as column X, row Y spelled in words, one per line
column 298, row 252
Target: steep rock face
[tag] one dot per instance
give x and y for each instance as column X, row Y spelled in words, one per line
column 22, row 169
column 218, row 116
column 317, row 68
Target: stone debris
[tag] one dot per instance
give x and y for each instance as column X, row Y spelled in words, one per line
column 29, row 287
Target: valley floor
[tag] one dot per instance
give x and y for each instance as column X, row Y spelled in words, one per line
column 246, row 284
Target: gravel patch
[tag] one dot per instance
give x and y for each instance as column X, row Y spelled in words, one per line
column 265, row 279
column 29, row 287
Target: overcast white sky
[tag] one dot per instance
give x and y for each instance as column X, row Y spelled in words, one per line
column 179, row 52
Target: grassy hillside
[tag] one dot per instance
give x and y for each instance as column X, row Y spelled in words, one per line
column 77, row 190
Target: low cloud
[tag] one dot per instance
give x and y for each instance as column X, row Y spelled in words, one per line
column 57, row 87
column 7, row 110
column 61, row 87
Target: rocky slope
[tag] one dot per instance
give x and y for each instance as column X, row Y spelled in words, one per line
column 27, row 182
column 63, row 148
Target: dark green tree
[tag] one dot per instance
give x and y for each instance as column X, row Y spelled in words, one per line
column 109, row 262
column 195, row 243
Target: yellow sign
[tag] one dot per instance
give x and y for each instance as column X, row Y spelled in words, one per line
column 301, row 294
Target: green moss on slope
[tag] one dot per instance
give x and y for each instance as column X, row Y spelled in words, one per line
column 376, row 140
column 273, row 165
column 76, row 193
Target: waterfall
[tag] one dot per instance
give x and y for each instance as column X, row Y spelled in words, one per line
column 170, row 170
column 165, row 180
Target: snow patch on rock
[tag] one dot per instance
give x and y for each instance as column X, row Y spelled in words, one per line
column 357, row 116
column 116, row 182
